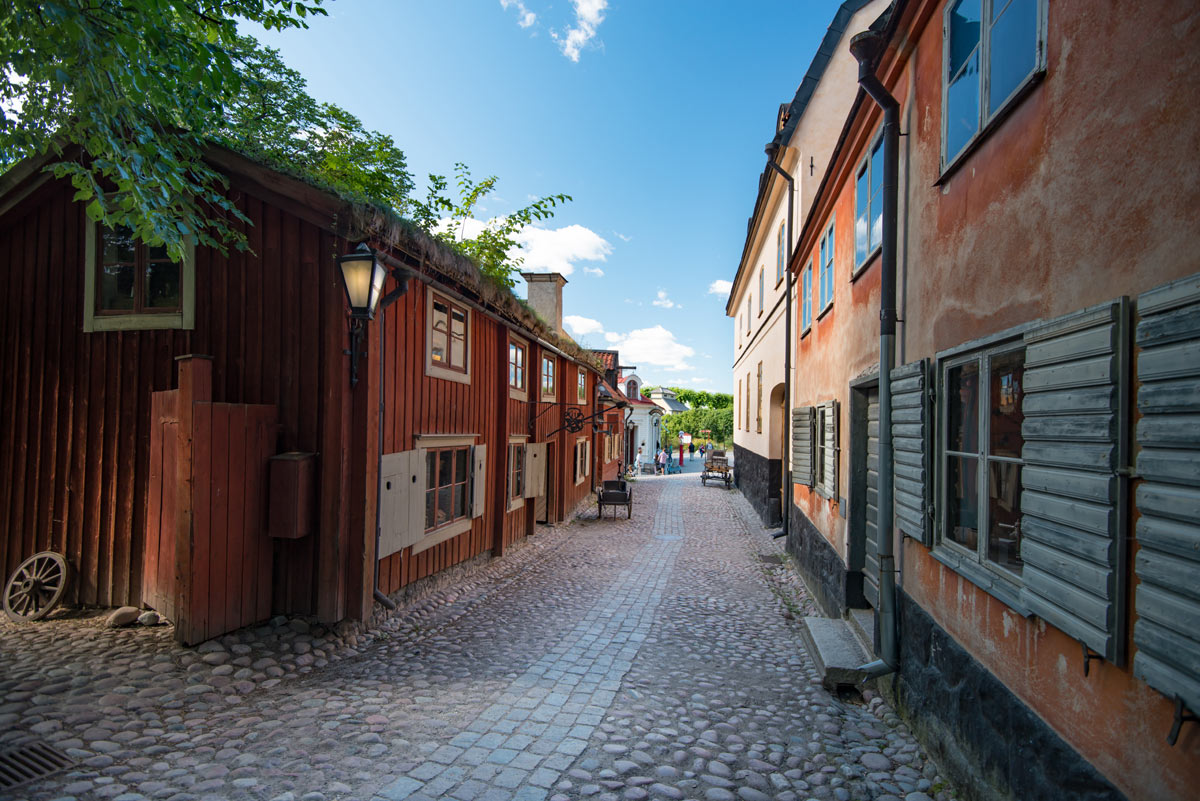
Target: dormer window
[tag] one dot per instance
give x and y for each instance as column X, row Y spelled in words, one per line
column 631, row 390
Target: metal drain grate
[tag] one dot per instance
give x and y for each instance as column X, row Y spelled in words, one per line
column 29, row 762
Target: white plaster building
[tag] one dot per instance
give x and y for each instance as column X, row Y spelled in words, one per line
column 806, row 131
column 642, row 426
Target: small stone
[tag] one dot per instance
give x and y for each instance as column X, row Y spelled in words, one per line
column 873, row 761
column 149, row 618
column 216, row 658
column 124, row 616
column 917, row 797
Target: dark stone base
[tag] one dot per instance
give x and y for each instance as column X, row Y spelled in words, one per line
column 987, row 742
column 758, row 478
column 820, row 565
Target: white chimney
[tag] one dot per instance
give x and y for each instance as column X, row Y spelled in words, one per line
column 545, row 296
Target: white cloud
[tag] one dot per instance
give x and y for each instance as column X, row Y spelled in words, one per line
column 622, row 237
column 588, row 16
column 525, row 17
column 547, row 250
column 582, row 326
column 655, row 347
column 610, row 337
column 695, row 379
column 663, row 301
column 596, row 271
column 720, row 287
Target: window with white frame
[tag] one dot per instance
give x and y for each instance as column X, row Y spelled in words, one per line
column 806, row 301
column 761, row 288
column 758, row 414
column 868, row 205
column 516, row 474
column 548, row 385
column 992, row 49
column 517, row 353
column 980, row 456
column 826, row 276
column 780, row 251
column 749, row 303
column 581, row 387
column 447, row 337
column 583, row 459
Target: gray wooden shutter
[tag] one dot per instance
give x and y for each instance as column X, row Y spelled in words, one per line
column 401, row 501
column 1167, row 631
column 478, row 480
column 910, row 440
column 830, row 450
column 802, row 445
column 1076, row 378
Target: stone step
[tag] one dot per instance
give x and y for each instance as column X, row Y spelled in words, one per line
column 835, row 650
column 862, row 623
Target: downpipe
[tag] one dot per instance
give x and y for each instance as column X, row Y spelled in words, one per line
column 865, row 48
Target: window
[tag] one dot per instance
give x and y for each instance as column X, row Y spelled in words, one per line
column 516, row 475
column 992, row 49
column 583, row 459
column 631, row 390
column 581, row 387
column 868, row 205
column 447, row 354
column 516, row 365
column 761, row 288
column 737, row 417
column 806, row 301
column 548, row 388
column 780, row 250
column 446, row 485
column 758, row 414
column 749, row 304
column 747, row 401
column 826, row 276
column 981, row 455
column 130, row 285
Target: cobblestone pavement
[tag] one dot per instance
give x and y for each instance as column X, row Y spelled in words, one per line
column 655, row 658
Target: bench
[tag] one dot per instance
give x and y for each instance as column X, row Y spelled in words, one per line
column 614, row 494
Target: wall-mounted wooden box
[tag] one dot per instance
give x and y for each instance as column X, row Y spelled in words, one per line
column 292, row 494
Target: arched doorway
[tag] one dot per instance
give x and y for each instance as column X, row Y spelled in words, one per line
column 776, row 457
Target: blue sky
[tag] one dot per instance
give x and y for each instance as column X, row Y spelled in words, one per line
column 652, row 114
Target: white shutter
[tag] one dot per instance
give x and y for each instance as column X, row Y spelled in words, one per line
column 535, row 470
column 401, row 501
column 832, row 451
column 479, row 480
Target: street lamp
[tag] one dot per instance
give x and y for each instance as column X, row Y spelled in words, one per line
column 362, row 278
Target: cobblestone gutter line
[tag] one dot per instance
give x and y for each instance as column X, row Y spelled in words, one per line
column 544, row 719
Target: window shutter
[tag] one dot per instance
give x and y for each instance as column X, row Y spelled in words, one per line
column 910, row 404
column 1167, row 631
column 802, row 445
column 831, row 451
column 401, row 501
column 479, row 480
column 535, row 470
column 1076, row 379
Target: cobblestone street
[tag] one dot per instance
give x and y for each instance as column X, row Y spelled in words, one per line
column 607, row 659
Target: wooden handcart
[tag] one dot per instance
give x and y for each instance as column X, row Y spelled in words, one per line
column 716, row 468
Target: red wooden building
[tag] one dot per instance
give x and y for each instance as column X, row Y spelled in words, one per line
column 256, row 479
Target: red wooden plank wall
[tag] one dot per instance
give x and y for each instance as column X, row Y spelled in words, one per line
column 75, row 408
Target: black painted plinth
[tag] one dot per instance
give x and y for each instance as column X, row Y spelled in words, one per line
column 986, row 741
column 819, row 564
column 758, row 478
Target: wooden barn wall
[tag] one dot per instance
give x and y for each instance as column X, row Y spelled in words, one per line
column 75, row 407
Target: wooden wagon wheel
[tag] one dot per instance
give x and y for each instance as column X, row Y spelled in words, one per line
column 36, row 587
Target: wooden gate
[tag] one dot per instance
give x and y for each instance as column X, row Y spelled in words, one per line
column 207, row 564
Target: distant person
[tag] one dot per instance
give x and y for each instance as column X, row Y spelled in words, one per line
column 691, row 451
column 662, row 460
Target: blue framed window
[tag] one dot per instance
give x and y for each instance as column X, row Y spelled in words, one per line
column 826, row 269
column 992, row 49
column 868, row 205
column 806, row 303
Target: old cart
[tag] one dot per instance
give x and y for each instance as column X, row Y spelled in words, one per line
column 716, row 468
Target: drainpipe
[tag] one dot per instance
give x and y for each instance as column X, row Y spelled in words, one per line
column 865, row 48
column 785, row 498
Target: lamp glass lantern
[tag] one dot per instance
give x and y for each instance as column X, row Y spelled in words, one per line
column 363, row 276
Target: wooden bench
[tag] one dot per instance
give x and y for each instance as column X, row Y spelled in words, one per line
column 614, row 494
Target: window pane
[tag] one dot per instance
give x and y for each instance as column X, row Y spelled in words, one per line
column 962, row 500
column 877, row 195
column 862, row 197
column 460, row 501
column 445, row 507
column 117, row 284
column 962, row 408
column 460, row 465
column 962, row 107
column 430, row 469
column 458, row 340
column 445, row 468
column 1013, row 51
column 1004, row 515
column 1008, row 372
column 964, row 34
column 430, row 509
column 118, row 245
column 162, row 285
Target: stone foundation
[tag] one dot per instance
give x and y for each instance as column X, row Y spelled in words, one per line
column 819, row 564
column 758, row 478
